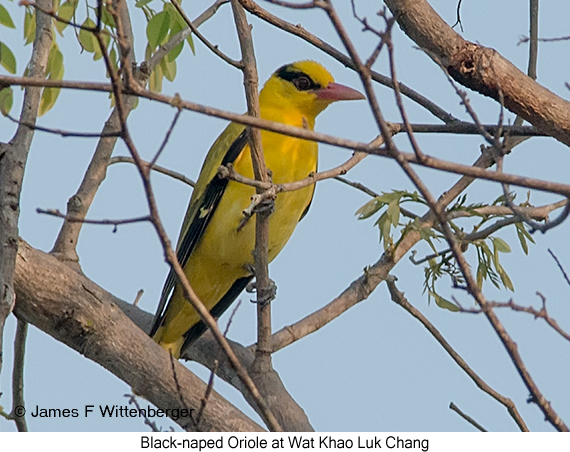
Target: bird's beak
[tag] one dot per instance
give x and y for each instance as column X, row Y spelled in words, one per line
column 335, row 91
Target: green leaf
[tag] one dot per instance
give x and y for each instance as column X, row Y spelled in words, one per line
column 49, row 96
column 523, row 236
column 169, row 69
column 54, row 71
column 114, row 58
column 500, row 245
column 523, row 230
column 190, row 42
column 481, row 273
column 443, row 303
column 370, row 208
column 426, row 233
column 107, row 18
column 6, row 100
column 505, row 279
column 522, row 240
column 155, row 80
column 157, row 29
column 141, row 3
column 66, row 12
column 98, row 54
column 173, row 54
column 55, row 66
column 86, row 38
column 394, row 211
column 7, row 59
column 5, row 18
column 29, row 26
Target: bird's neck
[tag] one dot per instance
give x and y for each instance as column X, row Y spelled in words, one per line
column 291, row 116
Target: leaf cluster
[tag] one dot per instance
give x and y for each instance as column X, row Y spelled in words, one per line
column 442, row 263
column 161, row 27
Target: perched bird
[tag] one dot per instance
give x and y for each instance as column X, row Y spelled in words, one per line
column 215, row 252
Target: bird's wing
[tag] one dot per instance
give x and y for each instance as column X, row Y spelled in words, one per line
column 205, row 198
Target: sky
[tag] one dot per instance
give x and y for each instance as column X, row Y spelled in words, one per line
column 375, row 368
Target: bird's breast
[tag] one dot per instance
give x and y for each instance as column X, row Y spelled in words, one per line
column 289, row 159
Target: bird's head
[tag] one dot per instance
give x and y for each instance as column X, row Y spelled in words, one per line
column 305, row 86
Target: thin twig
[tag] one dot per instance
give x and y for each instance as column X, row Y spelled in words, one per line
column 63, row 133
column 511, row 348
column 194, row 421
column 300, row 32
column 200, row 36
column 262, row 362
column 559, row 266
column 357, row 185
column 469, row 419
column 71, row 219
column 133, row 401
column 399, row 298
column 18, row 402
column 170, row 255
column 299, row 132
column 53, row 14
column 166, row 137
column 537, row 314
column 159, row 169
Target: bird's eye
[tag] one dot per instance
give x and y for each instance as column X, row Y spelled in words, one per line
column 303, row 83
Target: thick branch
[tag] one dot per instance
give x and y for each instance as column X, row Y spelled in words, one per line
column 77, row 312
column 483, row 69
column 13, row 157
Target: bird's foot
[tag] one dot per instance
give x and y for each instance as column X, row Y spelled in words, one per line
column 264, row 296
column 265, row 205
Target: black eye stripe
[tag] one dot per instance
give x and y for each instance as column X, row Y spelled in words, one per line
column 292, row 75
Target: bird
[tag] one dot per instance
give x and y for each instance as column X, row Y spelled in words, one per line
column 215, row 246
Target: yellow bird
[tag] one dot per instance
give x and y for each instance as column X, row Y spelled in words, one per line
column 215, row 253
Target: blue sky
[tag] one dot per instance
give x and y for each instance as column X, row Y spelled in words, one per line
column 374, row 368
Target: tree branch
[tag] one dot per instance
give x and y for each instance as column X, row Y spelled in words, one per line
column 13, row 157
column 82, row 315
column 483, row 69
column 399, row 298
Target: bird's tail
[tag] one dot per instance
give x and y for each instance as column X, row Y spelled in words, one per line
column 174, row 348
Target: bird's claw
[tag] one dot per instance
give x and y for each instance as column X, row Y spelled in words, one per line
column 265, row 206
column 266, row 295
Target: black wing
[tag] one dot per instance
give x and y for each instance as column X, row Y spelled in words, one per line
column 208, row 205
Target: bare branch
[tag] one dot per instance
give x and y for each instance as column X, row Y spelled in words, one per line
column 50, row 12
column 115, row 223
column 399, row 298
column 559, row 266
column 200, row 36
column 63, row 133
column 262, row 363
column 533, row 48
column 413, row 5
column 166, row 137
column 469, row 419
column 159, row 169
column 483, row 69
column 12, row 164
column 18, row 401
column 165, row 49
column 80, row 314
column 357, row 185
column 299, row 31
column 427, row 161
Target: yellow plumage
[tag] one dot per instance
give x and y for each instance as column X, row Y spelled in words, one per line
column 216, row 256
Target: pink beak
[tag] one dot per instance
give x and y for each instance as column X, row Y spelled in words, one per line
column 336, row 91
